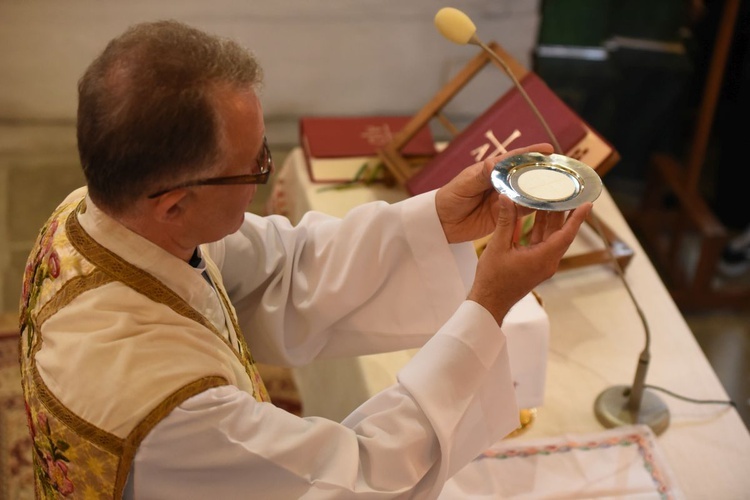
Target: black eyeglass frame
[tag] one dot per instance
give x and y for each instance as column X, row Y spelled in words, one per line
column 266, row 167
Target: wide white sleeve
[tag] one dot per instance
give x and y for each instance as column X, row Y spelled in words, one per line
column 383, row 278
column 451, row 401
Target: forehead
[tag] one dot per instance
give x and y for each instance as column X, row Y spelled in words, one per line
column 241, row 119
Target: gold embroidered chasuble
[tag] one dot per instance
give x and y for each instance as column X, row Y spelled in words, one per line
column 107, row 350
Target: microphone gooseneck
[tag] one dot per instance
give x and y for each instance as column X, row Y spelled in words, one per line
column 617, row 405
column 622, row 405
column 459, row 28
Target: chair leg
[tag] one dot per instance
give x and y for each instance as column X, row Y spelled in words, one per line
column 670, row 217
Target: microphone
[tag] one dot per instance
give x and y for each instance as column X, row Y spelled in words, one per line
column 618, row 405
column 626, row 405
column 458, row 28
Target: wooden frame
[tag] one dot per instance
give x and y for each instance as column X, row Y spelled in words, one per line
column 665, row 226
column 402, row 169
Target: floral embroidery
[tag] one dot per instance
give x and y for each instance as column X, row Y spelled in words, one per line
column 643, row 444
column 69, row 459
column 50, row 462
column 45, row 264
column 53, row 264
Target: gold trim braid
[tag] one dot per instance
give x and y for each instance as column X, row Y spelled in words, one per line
column 71, row 455
column 134, row 439
column 128, row 274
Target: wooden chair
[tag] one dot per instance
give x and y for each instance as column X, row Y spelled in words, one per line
column 674, row 210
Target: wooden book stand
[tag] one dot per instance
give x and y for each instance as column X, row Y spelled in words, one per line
column 402, row 170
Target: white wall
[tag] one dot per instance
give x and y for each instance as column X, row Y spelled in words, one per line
column 319, row 56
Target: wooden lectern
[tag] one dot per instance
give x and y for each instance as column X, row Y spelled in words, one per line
column 591, row 143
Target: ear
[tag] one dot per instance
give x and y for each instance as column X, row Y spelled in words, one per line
column 170, row 207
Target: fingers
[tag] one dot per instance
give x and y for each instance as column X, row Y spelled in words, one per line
column 546, row 223
column 579, row 215
column 555, row 221
column 506, row 221
column 506, row 272
column 569, row 229
column 539, row 229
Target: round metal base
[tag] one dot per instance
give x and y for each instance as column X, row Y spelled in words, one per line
column 611, row 409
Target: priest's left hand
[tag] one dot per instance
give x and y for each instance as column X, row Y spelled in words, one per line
column 468, row 205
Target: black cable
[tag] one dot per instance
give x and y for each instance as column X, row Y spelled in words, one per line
column 621, row 274
column 693, row 400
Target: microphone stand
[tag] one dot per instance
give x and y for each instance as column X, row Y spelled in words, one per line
column 628, row 405
column 618, row 405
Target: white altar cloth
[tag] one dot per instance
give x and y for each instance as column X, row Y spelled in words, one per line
column 625, row 462
column 595, row 339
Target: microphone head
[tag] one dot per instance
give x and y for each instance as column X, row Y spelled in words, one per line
column 455, row 25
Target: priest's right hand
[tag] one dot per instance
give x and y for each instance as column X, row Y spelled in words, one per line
column 508, row 271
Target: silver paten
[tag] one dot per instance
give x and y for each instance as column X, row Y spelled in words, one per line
column 582, row 183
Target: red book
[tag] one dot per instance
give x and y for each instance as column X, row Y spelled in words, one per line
column 336, row 147
column 508, row 124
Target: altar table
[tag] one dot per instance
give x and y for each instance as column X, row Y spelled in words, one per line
column 595, row 339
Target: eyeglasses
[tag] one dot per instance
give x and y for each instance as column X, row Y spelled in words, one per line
column 265, row 166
